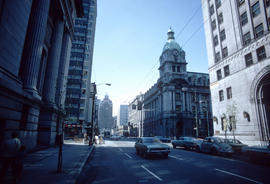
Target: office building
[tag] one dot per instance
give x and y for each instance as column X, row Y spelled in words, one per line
column 105, row 118
column 237, row 41
column 78, row 99
column 122, row 118
column 135, row 116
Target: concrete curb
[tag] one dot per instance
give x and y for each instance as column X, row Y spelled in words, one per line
column 83, row 163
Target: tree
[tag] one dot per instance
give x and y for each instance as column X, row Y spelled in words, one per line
column 232, row 113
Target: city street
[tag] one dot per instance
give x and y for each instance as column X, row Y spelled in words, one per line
column 117, row 162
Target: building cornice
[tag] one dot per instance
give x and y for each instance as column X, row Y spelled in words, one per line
column 241, row 52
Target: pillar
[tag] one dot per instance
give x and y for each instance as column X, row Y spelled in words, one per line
column 34, row 44
column 63, row 70
column 48, row 116
column 49, row 89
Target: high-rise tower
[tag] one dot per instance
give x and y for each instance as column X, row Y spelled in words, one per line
column 79, row 75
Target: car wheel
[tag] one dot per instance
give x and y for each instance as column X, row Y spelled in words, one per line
column 214, row 151
column 165, row 155
column 174, row 146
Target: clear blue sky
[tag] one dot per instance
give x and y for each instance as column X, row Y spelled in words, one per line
column 130, row 35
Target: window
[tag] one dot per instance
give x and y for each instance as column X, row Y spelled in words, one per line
column 217, row 57
column 261, row 53
column 222, row 35
column 219, row 75
column 213, row 24
column 229, row 93
column 212, row 10
column 178, row 68
column 226, row 70
column 178, row 108
column 232, row 123
column 220, row 18
column 216, row 40
column 248, row 59
column 177, row 96
column 224, row 52
column 240, row 2
column 173, row 68
column 259, row 30
column 243, row 18
column 218, row 3
column 267, row 3
column 221, row 95
column 246, row 38
column 256, row 9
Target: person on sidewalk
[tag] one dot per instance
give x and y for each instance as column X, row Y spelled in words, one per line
column 11, row 148
column 19, row 163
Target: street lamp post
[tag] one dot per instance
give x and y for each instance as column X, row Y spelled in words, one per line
column 207, row 121
column 196, row 115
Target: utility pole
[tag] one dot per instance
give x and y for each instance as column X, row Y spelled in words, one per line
column 93, row 109
column 196, row 115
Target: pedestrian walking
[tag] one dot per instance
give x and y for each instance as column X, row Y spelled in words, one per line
column 19, row 163
column 11, row 149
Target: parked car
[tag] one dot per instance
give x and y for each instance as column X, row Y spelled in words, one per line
column 216, row 145
column 163, row 139
column 187, row 143
column 146, row 146
column 236, row 145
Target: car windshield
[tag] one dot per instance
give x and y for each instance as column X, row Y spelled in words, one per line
column 151, row 140
column 233, row 141
column 220, row 140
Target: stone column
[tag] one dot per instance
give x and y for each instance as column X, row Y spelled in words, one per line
column 48, row 117
column 49, row 89
column 34, row 44
column 63, row 70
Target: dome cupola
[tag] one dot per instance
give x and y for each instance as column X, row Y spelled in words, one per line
column 171, row 44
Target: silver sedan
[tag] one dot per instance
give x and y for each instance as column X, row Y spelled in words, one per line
column 146, row 146
column 216, row 145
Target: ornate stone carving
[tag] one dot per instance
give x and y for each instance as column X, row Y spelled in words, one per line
column 256, row 81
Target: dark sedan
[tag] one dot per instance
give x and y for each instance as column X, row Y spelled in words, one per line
column 187, row 143
column 146, row 146
column 163, row 139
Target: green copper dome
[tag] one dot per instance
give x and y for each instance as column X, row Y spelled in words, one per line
column 171, row 44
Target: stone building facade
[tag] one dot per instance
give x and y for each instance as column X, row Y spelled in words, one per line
column 135, row 116
column 238, row 46
column 35, row 45
column 178, row 104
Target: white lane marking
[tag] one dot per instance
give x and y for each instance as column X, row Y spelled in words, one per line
column 128, row 155
column 176, row 157
column 238, row 176
column 153, row 174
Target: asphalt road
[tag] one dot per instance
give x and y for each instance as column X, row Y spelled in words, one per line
column 117, row 163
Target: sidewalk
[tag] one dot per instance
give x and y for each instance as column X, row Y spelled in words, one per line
column 41, row 166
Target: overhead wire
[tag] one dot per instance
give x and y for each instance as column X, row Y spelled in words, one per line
column 179, row 33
